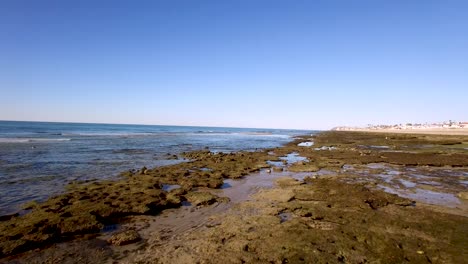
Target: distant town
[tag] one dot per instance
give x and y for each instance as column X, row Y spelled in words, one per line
column 410, row 126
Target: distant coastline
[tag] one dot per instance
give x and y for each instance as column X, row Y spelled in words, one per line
column 444, row 128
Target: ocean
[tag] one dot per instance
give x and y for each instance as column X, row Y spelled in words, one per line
column 37, row 159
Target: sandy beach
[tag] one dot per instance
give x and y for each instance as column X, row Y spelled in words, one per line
column 330, row 198
column 433, row 131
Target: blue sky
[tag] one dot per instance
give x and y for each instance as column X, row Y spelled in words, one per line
column 276, row 64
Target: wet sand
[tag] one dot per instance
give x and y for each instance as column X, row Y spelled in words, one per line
column 346, row 197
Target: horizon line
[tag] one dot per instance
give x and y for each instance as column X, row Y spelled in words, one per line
column 94, row 123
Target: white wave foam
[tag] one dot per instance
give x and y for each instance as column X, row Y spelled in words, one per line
column 32, row 140
column 240, row 134
column 113, row 134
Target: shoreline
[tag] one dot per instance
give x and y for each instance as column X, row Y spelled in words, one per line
column 440, row 131
column 346, row 170
column 38, row 160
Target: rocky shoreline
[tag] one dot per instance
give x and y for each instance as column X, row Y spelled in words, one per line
column 335, row 197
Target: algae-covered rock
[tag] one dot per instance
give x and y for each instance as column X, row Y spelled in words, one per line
column 201, row 198
column 29, row 205
column 287, row 181
column 86, row 207
column 8, row 217
column 304, row 167
column 463, row 195
column 275, row 195
column 124, row 238
column 334, row 225
column 278, row 169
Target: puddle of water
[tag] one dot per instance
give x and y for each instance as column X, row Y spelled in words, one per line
column 376, row 166
column 419, row 176
column 323, row 172
column 288, row 159
column 300, row 176
column 226, row 185
column 109, row 228
column 388, row 169
column 407, row 184
column 306, row 144
column 393, row 172
column 186, row 203
column 385, row 177
column 170, row 187
column 293, row 158
column 348, row 167
column 456, row 173
column 434, row 197
column 241, row 189
column 432, row 183
column 285, row 217
column 388, row 189
column 325, row 148
column 373, row 147
column 275, row 163
column 425, row 196
column 380, row 147
column 464, row 182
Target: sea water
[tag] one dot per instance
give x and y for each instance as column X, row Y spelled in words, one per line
column 37, row 159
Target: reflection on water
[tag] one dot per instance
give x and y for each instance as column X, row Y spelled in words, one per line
column 240, row 189
column 430, row 185
column 407, row 184
column 306, row 144
column 226, row 185
column 170, row 187
column 293, row 158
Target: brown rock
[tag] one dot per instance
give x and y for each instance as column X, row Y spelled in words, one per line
column 304, row 167
column 200, row 198
column 287, row 181
column 275, row 195
column 463, row 195
column 124, row 238
column 278, row 169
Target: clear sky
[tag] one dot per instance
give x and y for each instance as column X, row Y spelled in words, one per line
column 278, row 64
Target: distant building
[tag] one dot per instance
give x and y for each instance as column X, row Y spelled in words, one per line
column 443, row 125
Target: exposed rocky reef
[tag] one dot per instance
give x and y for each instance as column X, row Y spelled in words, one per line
column 337, row 213
column 364, row 148
column 88, row 207
column 323, row 221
